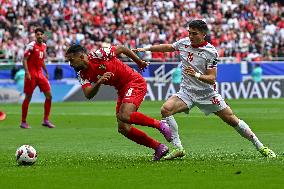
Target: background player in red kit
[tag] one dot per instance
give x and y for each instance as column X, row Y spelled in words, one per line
column 33, row 65
column 103, row 67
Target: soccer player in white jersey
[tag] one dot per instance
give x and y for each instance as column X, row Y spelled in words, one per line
column 199, row 67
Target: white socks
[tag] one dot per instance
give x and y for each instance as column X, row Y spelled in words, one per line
column 244, row 130
column 174, row 127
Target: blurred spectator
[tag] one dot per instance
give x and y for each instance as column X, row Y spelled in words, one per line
column 257, row 73
column 254, row 56
column 2, row 53
column 58, row 73
column 237, row 27
column 11, row 15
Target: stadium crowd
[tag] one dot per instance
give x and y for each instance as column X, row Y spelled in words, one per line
column 251, row 29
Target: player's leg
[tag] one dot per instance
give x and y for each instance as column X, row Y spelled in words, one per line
column 45, row 88
column 174, row 105
column 128, row 103
column 128, row 114
column 244, row 130
column 142, row 138
column 47, row 107
column 29, row 86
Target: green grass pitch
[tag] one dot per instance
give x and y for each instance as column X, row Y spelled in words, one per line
column 86, row 151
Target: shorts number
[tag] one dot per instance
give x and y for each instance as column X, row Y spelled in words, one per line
column 129, row 92
column 215, row 100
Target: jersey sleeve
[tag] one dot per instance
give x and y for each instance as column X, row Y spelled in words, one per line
column 29, row 49
column 104, row 53
column 212, row 61
column 84, row 82
column 177, row 44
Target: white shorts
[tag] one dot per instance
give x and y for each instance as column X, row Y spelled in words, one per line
column 208, row 105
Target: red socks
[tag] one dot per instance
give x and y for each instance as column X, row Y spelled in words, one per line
column 139, row 136
column 47, row 106
column 141, row 119
column 142, row 138
column 25, row 107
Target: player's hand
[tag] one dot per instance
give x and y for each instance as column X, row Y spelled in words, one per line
column 143, row 66
column 190, row 71
column 139, row 50
column 28, row 75
column 105, row 77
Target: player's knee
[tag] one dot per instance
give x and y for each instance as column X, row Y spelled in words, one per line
column 124, row 117
column 165, row 111
column 49, row 97
column 28, row 97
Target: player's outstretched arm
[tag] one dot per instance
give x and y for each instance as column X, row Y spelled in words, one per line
column 141, row 63
column 157, row 48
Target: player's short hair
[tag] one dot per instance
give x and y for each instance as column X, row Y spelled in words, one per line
column 199, row 25
column 39, row 30
column 74, row 48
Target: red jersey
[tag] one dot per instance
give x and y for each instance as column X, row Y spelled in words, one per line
column 36, row 54
column 104, row 60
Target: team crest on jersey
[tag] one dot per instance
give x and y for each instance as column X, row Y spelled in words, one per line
column 102, row 67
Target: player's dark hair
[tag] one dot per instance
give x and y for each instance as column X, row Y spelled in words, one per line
column 76, row 49
column 39, row 30
column 199, row 25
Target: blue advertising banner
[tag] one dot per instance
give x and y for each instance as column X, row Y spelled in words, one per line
column 225, row 73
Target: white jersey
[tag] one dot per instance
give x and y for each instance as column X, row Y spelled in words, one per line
column 201, row 59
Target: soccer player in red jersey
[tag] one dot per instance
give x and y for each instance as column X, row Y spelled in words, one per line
column 33, row 64
column 103, row 67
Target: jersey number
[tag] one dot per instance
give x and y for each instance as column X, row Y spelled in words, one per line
column 189, row 57
column 40, row 54
column 129, row 92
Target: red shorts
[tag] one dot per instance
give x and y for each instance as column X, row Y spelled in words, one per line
column 40, row 81
column 134, row 92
